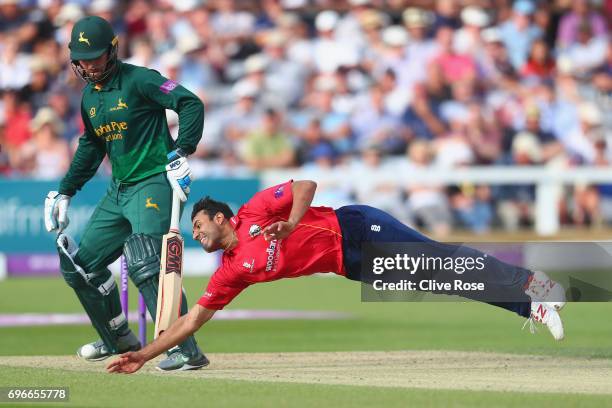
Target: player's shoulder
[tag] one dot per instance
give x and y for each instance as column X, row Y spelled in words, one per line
column 250, row 211
column 137, row 72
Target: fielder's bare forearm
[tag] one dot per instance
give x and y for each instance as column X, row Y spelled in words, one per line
column 303, row 193
column 184, row 327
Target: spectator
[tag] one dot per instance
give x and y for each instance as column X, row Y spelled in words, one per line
column 370, row 190
column 328, row 52
column 299, row 46
column 516, row 202
column 269, row 16
column 420, row 49
column 283, row 92
column 550, row 146
column 69, row 14
column 581, row 140
column 158, row 32
column 268, row 147
column 335, row 124
column 136, row 18
column 427, row 204
column 482, row 133
column 69, row 117
column 231, row 25
column 599, row 92
column 373, row 124
column 349, row 30
column 143, row 53
column 37, row 90
column 540, row 63
column 519, row 32
column 468, row 39
column 372, row 23
column 446, row 15
column 17, row 114
column 494, row 63
column 587, row 52
column 241, row 117
column 312, row 145
column 13, row 21
column 196, row 72
column 394, row 57
column 422, row 118
column 14, row 65
column 473, row 207
column 46, row 156
column 454, row 66
column 581, row 14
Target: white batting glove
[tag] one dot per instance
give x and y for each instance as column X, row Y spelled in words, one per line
column 179, row 174
column 56, row 211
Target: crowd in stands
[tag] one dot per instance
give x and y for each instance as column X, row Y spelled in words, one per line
column 349, row 83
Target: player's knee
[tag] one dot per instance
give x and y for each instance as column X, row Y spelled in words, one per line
column 90, row 259
column 142, row 253
column 74, row 279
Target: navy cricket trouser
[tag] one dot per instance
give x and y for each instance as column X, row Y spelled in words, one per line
column 357, row 221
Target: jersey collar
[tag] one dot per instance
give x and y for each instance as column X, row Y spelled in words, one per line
column 113, row 83
column 234, row 222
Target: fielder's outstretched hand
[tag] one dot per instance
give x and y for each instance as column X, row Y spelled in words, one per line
column 278, row 230
column 126, row 363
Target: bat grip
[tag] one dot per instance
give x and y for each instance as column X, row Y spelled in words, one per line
column 175, row 216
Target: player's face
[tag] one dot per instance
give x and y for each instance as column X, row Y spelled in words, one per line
column 208, row 232
column 94, row 68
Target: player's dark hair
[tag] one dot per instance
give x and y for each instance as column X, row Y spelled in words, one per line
column 211, row 208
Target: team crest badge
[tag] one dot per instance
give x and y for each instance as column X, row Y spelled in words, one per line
column 255, row 230
column 84, row 39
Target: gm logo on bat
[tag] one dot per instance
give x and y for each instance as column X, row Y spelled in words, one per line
column 174, row 257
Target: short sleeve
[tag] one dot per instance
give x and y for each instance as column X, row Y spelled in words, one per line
column 219, row 294
column 276, row 200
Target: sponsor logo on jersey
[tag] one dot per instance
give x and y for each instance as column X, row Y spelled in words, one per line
column 120, row 105
column 106, row 130
column 168, row 86
column 272, row 251
column 254, row 230
column 150, row 204
column 249, row 266
column 83, row 39
column 92, row 112
column 278, row 193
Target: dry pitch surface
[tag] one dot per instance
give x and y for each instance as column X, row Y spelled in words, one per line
column 405, row 369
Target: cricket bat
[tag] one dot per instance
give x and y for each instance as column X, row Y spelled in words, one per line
column 170, row 289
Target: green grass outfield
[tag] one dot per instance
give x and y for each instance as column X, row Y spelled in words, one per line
column 465, row 326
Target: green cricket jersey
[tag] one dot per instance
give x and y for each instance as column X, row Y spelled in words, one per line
column 126, row 120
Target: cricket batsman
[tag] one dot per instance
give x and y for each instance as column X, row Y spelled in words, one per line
column 277, row 234
column 123, row 109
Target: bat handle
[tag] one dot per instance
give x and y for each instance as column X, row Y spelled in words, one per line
column 175, row 216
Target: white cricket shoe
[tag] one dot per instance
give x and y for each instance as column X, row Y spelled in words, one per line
column 543, row 289
column 543, row 312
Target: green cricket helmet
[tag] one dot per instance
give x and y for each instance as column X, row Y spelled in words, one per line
column 91, row 37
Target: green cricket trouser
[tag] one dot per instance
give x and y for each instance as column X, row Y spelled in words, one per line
column 141, row 207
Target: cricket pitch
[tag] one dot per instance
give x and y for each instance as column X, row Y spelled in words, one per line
column 451, row 370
